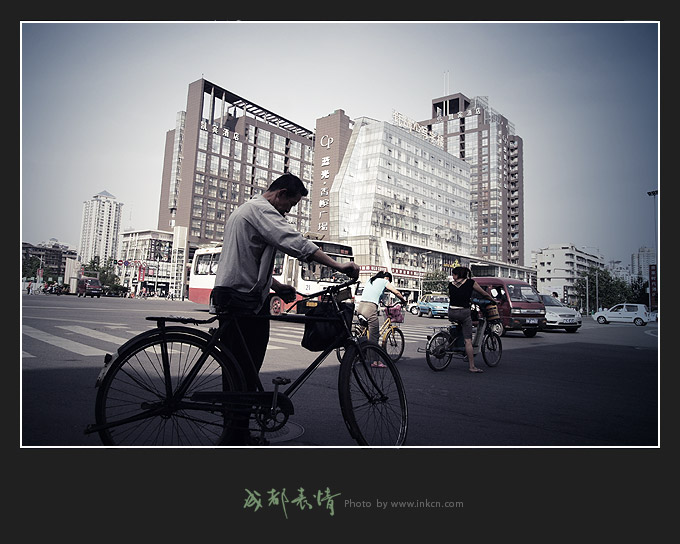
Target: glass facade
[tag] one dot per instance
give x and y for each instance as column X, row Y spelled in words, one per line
column 398, row 196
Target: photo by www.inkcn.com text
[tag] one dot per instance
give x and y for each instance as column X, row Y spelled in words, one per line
column 392, row 504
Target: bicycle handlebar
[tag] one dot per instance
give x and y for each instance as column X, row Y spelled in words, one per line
column 330, row 289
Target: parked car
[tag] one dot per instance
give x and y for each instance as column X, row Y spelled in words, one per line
column 560, row 316
column 434, row 305
column 412, row 307
column 624, row 313
column 519, row 305
column 89, row 287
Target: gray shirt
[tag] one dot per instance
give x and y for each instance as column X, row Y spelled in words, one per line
column 252, row 235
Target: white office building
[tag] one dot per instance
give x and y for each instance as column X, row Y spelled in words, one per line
column 558, row 266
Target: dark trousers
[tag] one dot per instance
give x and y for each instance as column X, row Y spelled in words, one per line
column 255, row 333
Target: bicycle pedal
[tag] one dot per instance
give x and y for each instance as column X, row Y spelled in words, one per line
column 281, row 381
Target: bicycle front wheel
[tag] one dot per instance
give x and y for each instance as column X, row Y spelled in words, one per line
column 136, row 405
column 393, row 343
column 437, row 352
column 357, row 331
column 372, row 396
column 492, row 348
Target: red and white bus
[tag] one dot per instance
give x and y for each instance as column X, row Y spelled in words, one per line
column 305, row 277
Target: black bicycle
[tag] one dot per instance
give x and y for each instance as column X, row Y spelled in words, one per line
column 180, row 386
column 449, row 342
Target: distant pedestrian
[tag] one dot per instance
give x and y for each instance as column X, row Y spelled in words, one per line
column 28, row 287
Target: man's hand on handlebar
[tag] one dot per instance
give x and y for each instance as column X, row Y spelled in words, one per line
column 351, row 269
column 286, row 292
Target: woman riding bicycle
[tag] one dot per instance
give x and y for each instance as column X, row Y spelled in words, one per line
column 368, row 307
column 461, row 286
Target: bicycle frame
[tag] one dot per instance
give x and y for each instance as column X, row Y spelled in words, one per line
column 476, row 340
column 232, row 321
column 386, row 326
column 260, row 398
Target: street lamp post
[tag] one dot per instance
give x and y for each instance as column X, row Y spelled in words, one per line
column 656, row 243
column 653, row 194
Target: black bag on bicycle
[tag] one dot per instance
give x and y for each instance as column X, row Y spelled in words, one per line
column 321, row 335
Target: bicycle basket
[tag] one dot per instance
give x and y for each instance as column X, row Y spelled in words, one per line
column 491, row 313
column 329, row 332
column 395, row 314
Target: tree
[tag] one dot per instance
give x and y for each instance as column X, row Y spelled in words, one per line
column 106, row 272
column 435, row 282
column 29, row 268
column 639, row 291
column 604, row 290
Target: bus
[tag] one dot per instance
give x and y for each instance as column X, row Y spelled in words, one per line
column 305, row 277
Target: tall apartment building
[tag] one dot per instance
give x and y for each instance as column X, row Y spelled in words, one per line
column 100, row 227
column 640, row 261
column 223, row 150
column 486, row 140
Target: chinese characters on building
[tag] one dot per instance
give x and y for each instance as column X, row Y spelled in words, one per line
column 216, row 130
column 324, row 191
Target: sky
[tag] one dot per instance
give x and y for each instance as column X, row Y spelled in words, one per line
column 97, row 99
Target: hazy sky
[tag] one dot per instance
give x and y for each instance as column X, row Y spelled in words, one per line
column 98, row 98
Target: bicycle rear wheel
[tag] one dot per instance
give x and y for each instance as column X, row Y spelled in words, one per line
column 135, row 397
column 492, row 348
column 437, row 352
column 393, row 343
column 372, row 398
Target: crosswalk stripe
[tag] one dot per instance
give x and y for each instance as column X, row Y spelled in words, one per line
column 64, row 343
column 285, row 334
column 118, row 340
column 283, row 340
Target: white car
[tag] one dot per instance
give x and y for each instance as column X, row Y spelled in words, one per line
column 559, row 316
column 412, row 307
column 624, row 313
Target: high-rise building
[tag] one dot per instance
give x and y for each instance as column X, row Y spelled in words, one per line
column 487, row 141
column 100, row 227
column 388, row 188
column 223, row 150
column 640, row 262
column 391, row 191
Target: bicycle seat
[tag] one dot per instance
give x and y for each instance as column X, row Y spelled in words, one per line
column 362, row 320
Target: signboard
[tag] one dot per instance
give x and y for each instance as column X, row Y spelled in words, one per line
column 404, row 122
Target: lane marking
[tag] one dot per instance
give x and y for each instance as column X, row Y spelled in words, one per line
column 63, row 343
